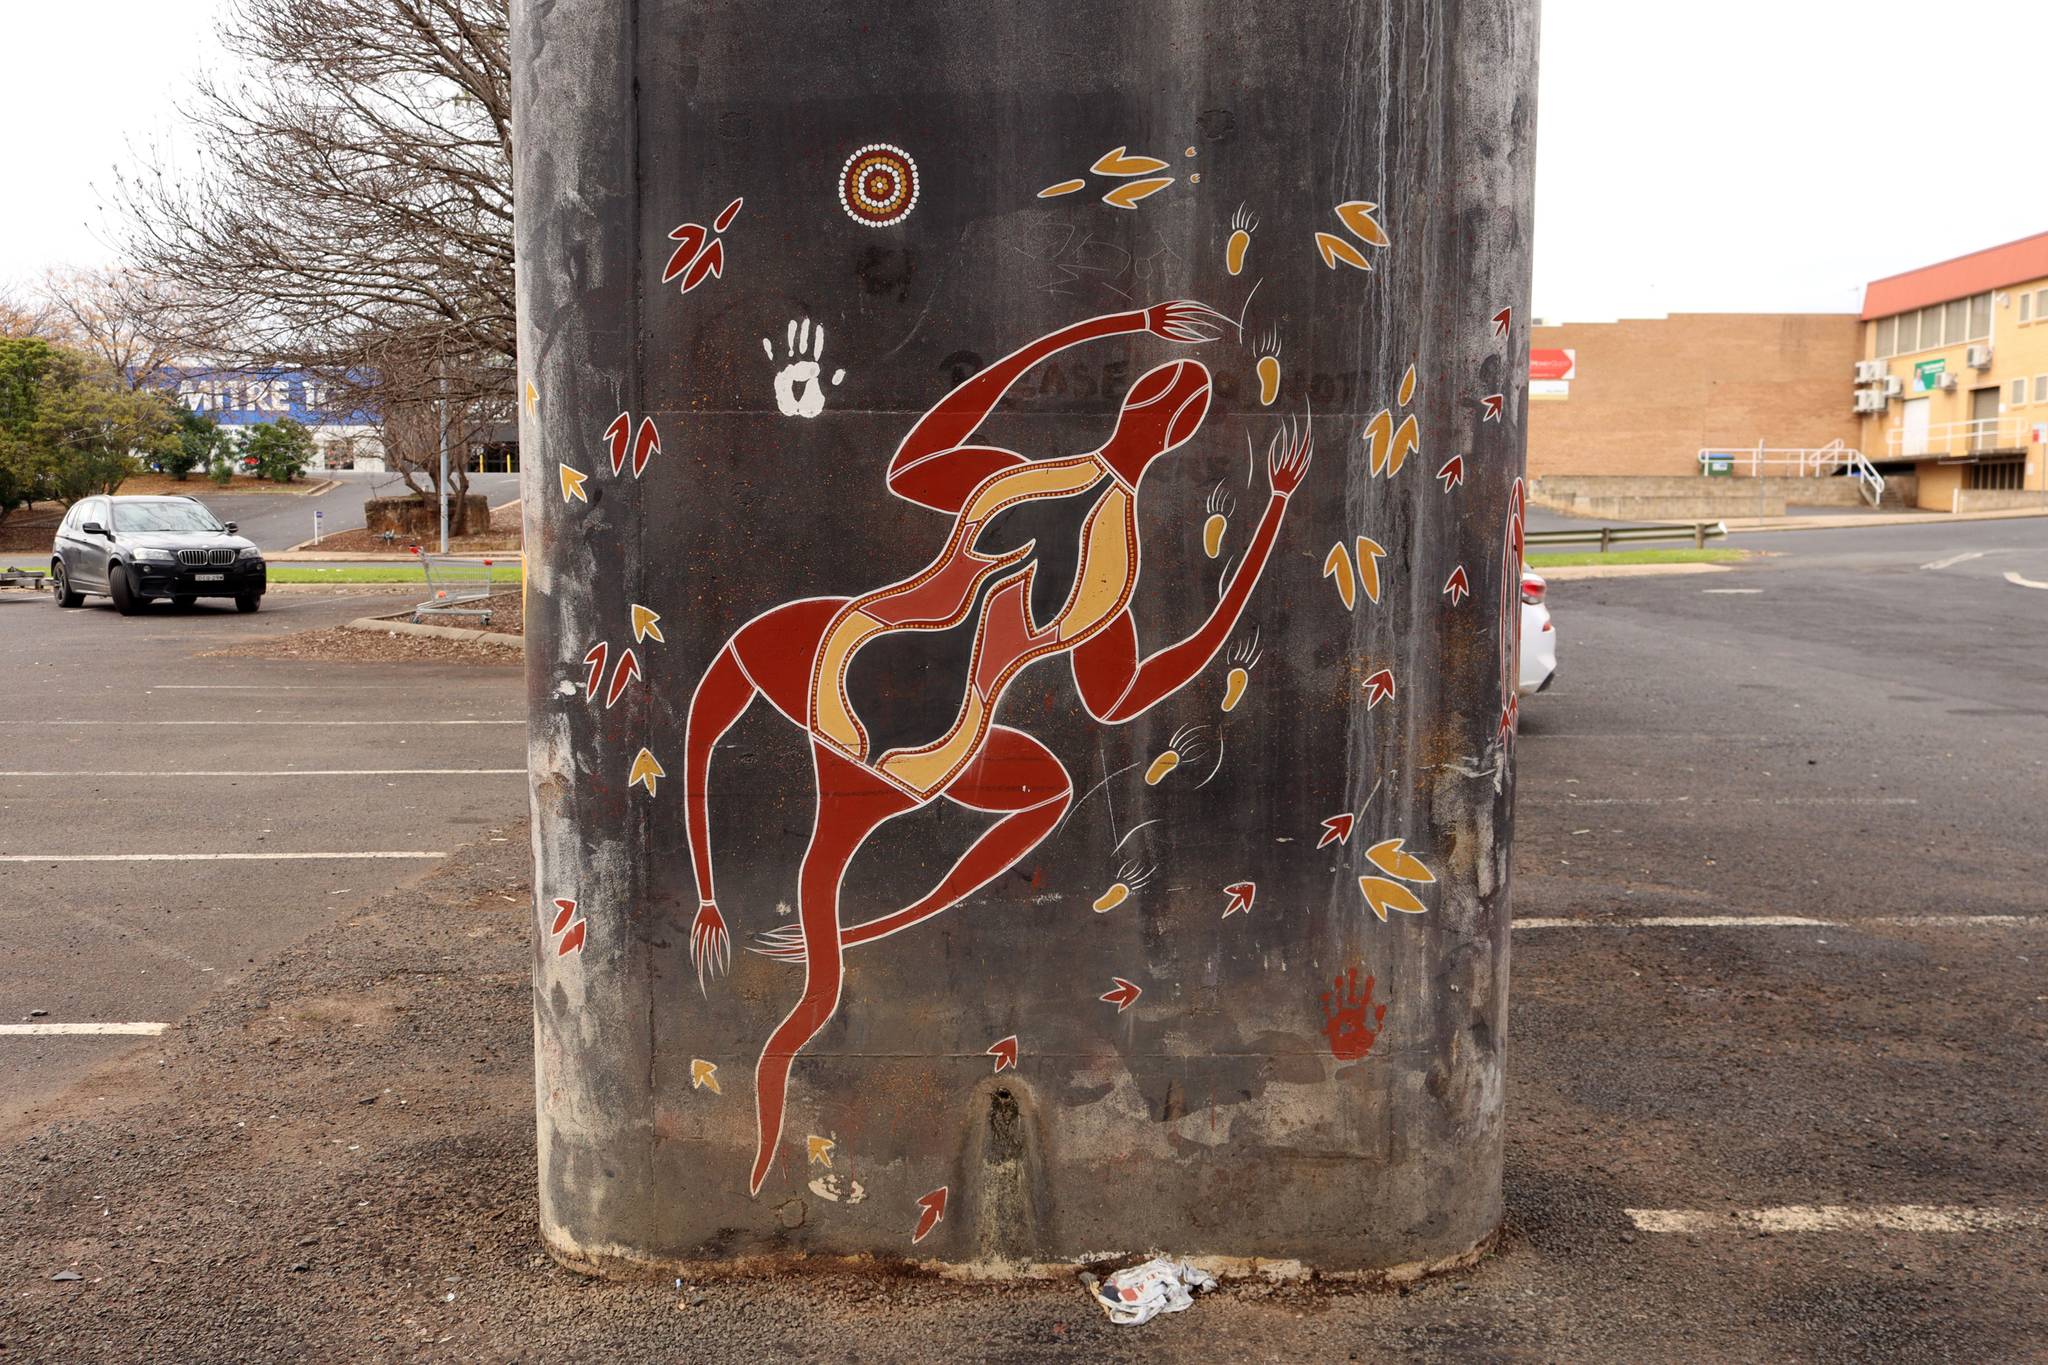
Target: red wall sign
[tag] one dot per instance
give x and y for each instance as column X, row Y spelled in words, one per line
column 1552, row 363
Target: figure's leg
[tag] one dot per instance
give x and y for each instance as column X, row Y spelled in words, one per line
column 1014, row 775
column 852, row 804
column 770, row 655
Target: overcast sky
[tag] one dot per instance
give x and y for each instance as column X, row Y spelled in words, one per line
column 1744, row 155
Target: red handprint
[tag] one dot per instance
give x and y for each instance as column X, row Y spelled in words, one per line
column 1344, row 1017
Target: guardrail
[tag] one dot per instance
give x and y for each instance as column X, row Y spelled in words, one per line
column 1607, row 537
column 12, row 577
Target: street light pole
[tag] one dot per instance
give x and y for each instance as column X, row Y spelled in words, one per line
column 443, row 484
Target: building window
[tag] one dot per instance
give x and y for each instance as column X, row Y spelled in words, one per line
column 1909, row 333
column 2026, row 308
column 1887, row 337
column 2041, row 303
column 2001, row 476
column 1955, row 321
column 2019, row 392
column 1980, row 316
column 1930, row 327
column 2041, row 388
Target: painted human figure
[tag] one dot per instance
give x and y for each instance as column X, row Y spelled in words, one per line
column 898, row 688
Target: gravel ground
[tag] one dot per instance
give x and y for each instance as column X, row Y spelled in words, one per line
column 341, row 645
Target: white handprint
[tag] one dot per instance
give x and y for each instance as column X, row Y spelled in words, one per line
column 804, row 350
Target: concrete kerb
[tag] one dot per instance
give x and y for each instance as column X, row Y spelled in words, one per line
column 1746, row 525
column 310, row 545
column 1563, row 572
column 388, row 625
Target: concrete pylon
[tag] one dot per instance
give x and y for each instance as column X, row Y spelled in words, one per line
column 1023, row 517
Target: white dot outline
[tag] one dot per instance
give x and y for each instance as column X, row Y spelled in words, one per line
column 909, row 166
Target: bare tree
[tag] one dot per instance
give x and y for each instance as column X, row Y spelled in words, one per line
column 121, row 316
column 352, row 210
column 412, row 403
column 23, row 315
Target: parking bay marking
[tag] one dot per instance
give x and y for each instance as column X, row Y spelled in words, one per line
column 211, row 857
column 1954, row 560
column 1779, row 922
column 49, row 1029
column 288, row 772
column 1946, row 1218
column 2017, row 581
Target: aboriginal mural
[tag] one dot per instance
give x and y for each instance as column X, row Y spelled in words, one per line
column 898, row 688
column 1054, row 736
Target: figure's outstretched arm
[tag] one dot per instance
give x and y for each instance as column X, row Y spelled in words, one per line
column 934, row 466
column 1116, row 686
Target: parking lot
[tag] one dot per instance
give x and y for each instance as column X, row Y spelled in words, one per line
column 172, row 821
column 1776, row 1058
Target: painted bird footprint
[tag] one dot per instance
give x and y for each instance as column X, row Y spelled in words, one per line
column 799, row 387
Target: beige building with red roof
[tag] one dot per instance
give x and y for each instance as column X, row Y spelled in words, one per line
column 1953, row 382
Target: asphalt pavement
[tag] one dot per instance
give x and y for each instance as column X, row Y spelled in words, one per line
column 1777, row 1049
column 278, row 521
column 168, row 821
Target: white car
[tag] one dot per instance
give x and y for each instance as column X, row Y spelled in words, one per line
column 1539, row 638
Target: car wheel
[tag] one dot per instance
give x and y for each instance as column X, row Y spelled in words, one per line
column 183, row 600
column 126, row 600
column 61, row 583
column 248, row 603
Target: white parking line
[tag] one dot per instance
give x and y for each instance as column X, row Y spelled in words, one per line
column 208, row 857
column 2017, row 581
column 1954, row 560
column 1779, row 922
column 1838, row 1218
column 282, row 772
column 309, row 721
column 38, row 1029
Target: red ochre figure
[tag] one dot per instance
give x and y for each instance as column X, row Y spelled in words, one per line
column 898, row 688
column 1351, row 1018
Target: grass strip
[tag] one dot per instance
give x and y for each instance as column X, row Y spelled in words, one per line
column 506, row 573
column 1574, row 558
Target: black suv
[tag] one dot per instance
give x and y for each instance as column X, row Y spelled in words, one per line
column 137, row 549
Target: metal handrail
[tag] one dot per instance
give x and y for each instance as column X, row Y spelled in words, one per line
column 1606, row 537
column 1801, row 462
column 1957, row 438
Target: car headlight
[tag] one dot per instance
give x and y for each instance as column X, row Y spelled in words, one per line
column 147, row 556
column 251, row 552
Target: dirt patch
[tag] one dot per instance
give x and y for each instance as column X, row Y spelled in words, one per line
column 27, row 532
column 339, row 644
column 201, row 487
column 504, row 534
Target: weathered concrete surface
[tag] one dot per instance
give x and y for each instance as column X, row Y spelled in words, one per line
column 1234, row 1108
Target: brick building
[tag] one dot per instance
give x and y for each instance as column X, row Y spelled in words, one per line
column 1646, row 396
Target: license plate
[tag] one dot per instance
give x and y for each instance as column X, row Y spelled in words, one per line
column 209, row 578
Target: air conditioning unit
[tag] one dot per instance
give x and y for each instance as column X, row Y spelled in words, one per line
column 1893, row 386
column 1948, row 382
column 1980, row 356
column 1869, row 371
column 1870, row 400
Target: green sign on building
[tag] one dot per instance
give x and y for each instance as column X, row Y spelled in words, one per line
column 1927, row 374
